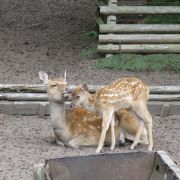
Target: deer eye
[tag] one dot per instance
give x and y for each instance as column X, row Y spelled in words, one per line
column 53, row 85
column 77, row 97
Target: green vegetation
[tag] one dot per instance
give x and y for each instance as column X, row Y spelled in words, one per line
column 134, row 62
column 163, row 19
column 164, row 2
column 92, row 50
column 89, row 52
column 90, row 34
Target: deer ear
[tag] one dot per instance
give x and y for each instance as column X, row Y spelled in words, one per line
column 85, row 87
column 64, row 75
column 44, row 77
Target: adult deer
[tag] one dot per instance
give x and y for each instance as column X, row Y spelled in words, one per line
column 79, row 127
column 126, row 93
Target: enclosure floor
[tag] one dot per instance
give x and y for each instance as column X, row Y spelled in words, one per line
column 25, row 141
column 49, row 36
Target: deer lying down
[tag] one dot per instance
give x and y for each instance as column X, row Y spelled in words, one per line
column 79, row 127
column 127, row 93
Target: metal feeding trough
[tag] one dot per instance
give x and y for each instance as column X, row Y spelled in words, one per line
column 116, row 166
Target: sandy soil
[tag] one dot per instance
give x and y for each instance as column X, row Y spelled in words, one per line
column 48, row 35
column 26, row 141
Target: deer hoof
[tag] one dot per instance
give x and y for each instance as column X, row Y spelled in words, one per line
column 98, row 150
column 112, row 147
column 150, row 148
column 132, row 146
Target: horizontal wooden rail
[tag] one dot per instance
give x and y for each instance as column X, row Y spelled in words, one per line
column 43, row 97
column 41, row 108
column 139, row 48
column 139, row 28
column 23, row 96
column 140, row 38
column 40, row 88
column 152, row 10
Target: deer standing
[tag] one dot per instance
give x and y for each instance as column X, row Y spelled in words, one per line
column 126, row 93
column 79, row 127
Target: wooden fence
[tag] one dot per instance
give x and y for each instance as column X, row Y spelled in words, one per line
column 136, row 38
column 31, row 99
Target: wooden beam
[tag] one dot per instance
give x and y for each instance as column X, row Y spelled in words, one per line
column 111, row 19
column 32, row 108
column 23, row 96
column 139, row 28
column 150, row 10
column 18, row 88
column 140, row 48
column 140, row 38
column 33, row 88
column 43, row 97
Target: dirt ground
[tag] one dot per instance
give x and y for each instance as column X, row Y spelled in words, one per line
column 26, row 141
column 48, row 35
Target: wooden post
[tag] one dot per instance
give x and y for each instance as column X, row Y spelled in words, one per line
column 111, row 20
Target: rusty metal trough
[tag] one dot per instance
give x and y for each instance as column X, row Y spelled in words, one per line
column 116, row 166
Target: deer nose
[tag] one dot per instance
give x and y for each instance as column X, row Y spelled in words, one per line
column 68, row 91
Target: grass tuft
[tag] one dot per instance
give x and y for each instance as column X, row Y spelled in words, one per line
column 133, row 62
column 88, row 53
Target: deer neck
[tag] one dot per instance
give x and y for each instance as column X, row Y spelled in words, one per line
column 90, row 105
column 58, row 114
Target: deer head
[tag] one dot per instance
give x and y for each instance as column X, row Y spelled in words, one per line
column 55, row 87
column 81, row 97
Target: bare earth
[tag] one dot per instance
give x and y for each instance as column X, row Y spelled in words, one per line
column 26, row 141
column 48, row 35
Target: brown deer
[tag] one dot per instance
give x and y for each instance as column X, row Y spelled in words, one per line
column 126, row 93
column 79, row 127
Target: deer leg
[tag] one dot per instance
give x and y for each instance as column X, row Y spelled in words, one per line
column 59, row 143
column 113, row 139
column 80, row 140
column 107, row 117
column 138, row 135
column 144, row 136
column 140, row 108
column 122, row 136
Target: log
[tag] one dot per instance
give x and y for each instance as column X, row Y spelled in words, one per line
column 165, row 89
column 23, row 96
column 43, row 97
column 33, row 108
column 141, row 48
column 111, row 19
column 149, row 10
column 140, row 38
column 162, row 97
column 33, row 88
column 139, row 28
column 6, row 88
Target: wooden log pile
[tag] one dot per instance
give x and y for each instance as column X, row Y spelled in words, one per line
column 136, row 38
column 31, row 99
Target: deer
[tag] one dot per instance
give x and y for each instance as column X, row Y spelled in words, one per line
column 78, row 127
column 126, row 93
